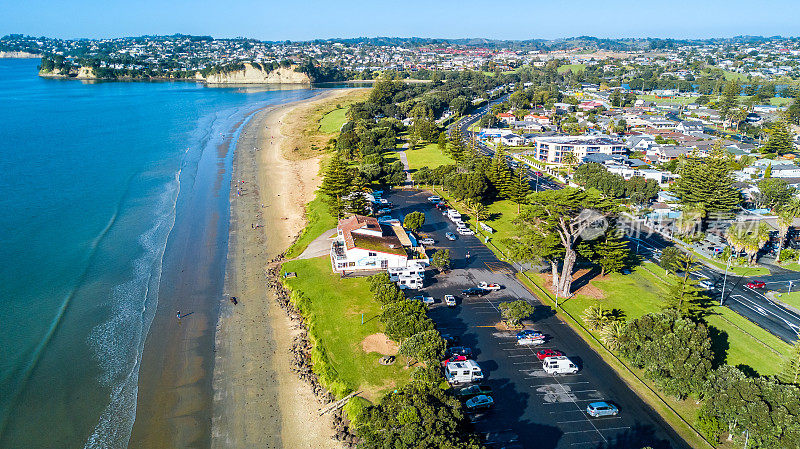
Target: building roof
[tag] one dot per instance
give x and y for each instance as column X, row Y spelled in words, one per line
column 580, row 140
column 350, row 226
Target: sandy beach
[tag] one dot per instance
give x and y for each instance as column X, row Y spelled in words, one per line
column 258, row 400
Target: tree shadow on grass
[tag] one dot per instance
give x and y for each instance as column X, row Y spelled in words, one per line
column 719, row 344
column 585, row 278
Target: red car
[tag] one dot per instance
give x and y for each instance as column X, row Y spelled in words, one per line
column 545, row 353
column 756, row 284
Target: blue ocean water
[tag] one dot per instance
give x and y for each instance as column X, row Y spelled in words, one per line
column 90, row 178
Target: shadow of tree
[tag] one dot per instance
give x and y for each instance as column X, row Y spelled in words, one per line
column 720, row 344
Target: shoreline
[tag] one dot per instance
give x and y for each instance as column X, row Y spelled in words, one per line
column 259, row 401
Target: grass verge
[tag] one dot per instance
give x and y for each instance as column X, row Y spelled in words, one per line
column 318, row 220
column 333, row 308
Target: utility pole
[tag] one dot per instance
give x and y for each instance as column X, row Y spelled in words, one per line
column 724, row 280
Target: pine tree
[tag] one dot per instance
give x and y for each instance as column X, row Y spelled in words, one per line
column 791, row 369
column 705, row 183
column 442, row 142
column 611, row 253
column 336, row 184
column 780, row 141
column 519, row 188
column 768, row 171
column 684, row 295
column 456, row 148
column 499, row 174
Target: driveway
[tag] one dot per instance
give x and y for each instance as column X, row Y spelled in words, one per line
column 540, row 410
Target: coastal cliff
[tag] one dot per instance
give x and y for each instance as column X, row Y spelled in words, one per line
column 18, row 55
column 256, row 75
column 79, row 73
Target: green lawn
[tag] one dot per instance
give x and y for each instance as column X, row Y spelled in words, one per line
column 676, row 100
column 575, row 68
column 780, row 101
column 319, row 221
column 792, row 266
column 336, row 308
column 739, row 271
column 793, row 298
column 428, row 156
column 333, row 121
column 640, row 293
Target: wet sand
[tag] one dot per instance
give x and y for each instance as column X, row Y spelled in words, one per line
column 258, row 400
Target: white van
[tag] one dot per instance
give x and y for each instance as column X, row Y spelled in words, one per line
column 559, row 365
column 409, row 281
column 453, row 215
column 463, row 372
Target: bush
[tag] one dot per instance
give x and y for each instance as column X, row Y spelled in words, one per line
column 787, row 254
column 516, row 311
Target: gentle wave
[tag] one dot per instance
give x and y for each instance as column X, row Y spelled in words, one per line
column 118, row 343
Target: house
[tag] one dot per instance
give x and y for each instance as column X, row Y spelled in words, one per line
column 540, row 119
column 690, row 127
column 591, row 104
column 362, row 244
column 666, row 153
column 506, row 118
column 640, row 143
column 551, row 149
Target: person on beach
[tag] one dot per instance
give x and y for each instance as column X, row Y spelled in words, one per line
column 178, row 314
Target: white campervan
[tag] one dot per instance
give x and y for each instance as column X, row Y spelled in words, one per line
column 559, row 365
column 463, row 372
column 453, row 215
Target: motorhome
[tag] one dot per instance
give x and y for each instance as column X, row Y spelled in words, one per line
column 559, row 365
column 406, row 281
column 453, row 215
column 463, row 372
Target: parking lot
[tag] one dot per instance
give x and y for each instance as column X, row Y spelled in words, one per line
column 535, row 408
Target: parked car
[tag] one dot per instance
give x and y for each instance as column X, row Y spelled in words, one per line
column 756, row 284
column 480, row 402
column 602, row 408
column 459, row 350
column 465, row 231
column 530, row 337
column 538, row 173
column 451, row 340
column 450, row 300
column 384, row 211
column 434, row 199
column 454, row 358
column 427, row 241
column 450, row 236
column 545, row 353
column 472, row 391
column 425, row 299
column 491, row 287
column 474, row 291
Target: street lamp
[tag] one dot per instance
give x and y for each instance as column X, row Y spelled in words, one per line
column 724, row 280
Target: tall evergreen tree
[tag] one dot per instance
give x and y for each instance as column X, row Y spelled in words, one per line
column 336, row 184
column 612, row 253
column 705, row 183
column 519, row 188
column 684, row 296
column 780, row 140
column 499, row 174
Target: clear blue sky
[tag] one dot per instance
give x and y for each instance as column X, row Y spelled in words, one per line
column 302, row 20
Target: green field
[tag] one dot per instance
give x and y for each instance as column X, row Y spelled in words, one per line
column 640, row 293
column 428, row 156
column 780, row 101
column 333, row 121
column 334, row 315
column 574, row 68
column 739, row 271
column 318, row 219
column 675, row 100
column 793, row 298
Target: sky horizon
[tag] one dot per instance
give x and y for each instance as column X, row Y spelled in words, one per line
column 309, row 20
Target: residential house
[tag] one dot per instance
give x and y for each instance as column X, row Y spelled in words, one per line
column 506, row 118
column 690, row 127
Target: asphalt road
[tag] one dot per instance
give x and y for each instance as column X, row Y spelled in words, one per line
column 752, row 304
column 536, row 409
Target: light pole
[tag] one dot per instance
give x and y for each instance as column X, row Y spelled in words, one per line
column 790, row 287
column 724, row 280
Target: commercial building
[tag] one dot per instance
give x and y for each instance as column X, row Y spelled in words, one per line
column 552, row 149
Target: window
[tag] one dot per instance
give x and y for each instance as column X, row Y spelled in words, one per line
column 384, row 263
column 371, row 254
column 351, row 264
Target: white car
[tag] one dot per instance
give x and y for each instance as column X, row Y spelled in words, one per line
column 706, row 284
column 465, row 231
column 434, row 199
column 425, row 299
column 450, row 300
column 427, row 241
column 491, row 287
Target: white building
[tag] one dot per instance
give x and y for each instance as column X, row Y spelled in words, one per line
column 552, row 149
column 362, row 244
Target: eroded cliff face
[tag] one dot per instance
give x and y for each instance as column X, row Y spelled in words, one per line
column 253, row 75
column 18, row 55
column 81, row 73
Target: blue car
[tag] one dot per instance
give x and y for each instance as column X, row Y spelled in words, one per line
column 602, row 408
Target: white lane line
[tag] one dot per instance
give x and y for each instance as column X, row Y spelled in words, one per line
column 598, row 431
